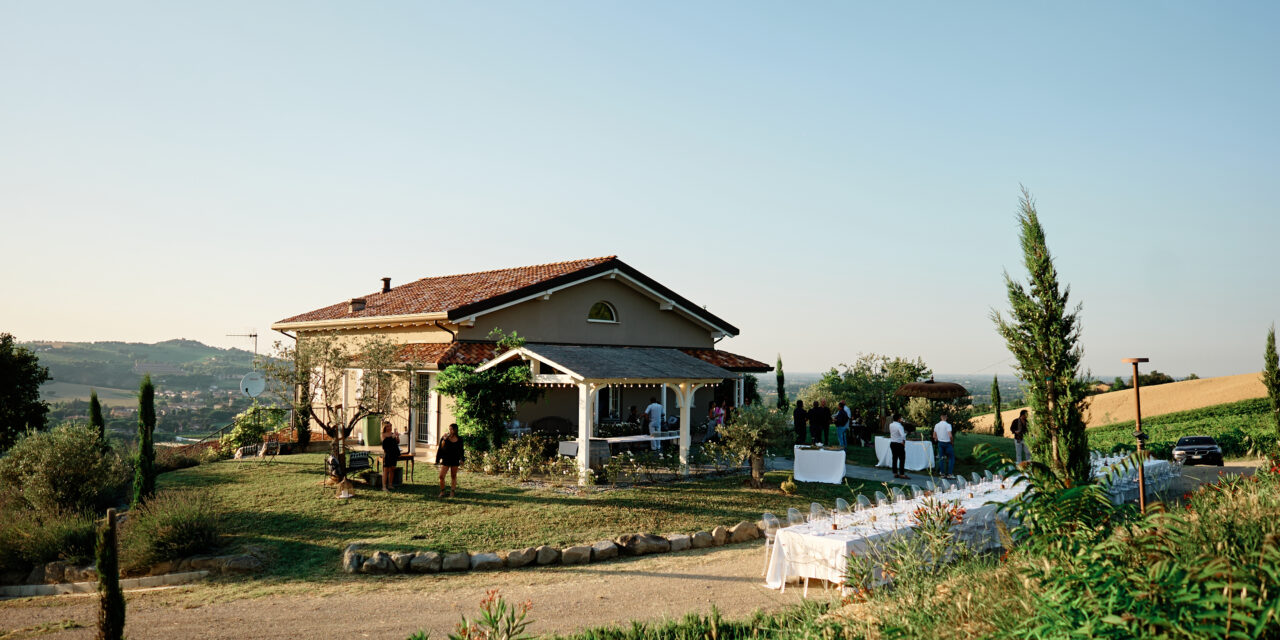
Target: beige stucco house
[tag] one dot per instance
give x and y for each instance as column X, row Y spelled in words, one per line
column 642, row 337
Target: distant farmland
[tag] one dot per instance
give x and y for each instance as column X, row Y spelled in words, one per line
column 67, row 391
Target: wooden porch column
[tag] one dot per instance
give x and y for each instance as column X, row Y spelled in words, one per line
column 586, row 397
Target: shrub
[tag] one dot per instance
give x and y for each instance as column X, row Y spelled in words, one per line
column 173, row 525
column 174, row 458
column 29, row 538
column 64, row 470
column 251, row 425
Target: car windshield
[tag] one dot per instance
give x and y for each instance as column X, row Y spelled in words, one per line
column 1195, row 441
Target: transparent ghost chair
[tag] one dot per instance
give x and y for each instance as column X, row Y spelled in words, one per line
column 817, row 511
column 988, row 475
column 842, row 506
column 961, row 483
column 931, row 487
column 974, row 478
column 897, row 494
column 944, row 486
column 881, row 499
column 917, row 492
column 771, row 526
column 863, row 502
column 794, row 516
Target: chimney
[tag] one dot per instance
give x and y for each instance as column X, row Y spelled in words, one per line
column 386, row 285
column 357, row 304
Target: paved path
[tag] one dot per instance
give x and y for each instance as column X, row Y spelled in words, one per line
column 565, row 599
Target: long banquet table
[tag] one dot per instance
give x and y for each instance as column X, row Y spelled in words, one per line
column 1124, row 481
column 813, row 551
column 919, row 454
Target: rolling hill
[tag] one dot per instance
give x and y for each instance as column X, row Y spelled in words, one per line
column 1117, row 406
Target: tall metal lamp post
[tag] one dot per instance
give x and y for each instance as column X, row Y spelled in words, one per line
column 1139, row 435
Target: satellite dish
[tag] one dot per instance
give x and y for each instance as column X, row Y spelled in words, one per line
column 253, row 384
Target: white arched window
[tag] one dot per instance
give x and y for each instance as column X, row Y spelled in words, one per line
column 602, row 312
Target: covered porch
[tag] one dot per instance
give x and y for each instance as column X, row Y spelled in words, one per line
column 591, row 369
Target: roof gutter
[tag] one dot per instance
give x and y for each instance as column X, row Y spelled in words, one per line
column 354, row 323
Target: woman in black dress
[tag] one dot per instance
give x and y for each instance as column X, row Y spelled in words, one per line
column 390, row 454
column 449, row 457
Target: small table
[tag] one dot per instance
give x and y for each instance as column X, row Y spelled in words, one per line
column 819, row 465
column 405, row 456
column 919, row 454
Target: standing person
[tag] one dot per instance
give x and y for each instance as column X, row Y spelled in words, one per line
column 800, row 421
column 390, row 454
column 1019, row 430
column 898, row 448
column 449, row 457
column 654, row 414
column 716, row 415
column 819, row 421
column 843, row 418
column 943, row 435
column 634, row 416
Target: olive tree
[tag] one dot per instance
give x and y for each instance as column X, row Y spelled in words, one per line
column 336, row 382
column 752, row 433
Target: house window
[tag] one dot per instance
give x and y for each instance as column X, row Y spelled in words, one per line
column 602, row 312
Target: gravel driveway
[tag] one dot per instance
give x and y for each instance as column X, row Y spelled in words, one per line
column 564, row 599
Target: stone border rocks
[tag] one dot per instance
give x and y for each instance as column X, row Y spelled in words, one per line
column 357, row 559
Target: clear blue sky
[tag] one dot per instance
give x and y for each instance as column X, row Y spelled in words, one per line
column 833, row 178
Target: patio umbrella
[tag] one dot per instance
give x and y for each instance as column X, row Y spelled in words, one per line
column 932, row 390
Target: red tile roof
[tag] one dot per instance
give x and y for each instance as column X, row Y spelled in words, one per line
column 443, row 354
column 446, row 293
column 729, row 361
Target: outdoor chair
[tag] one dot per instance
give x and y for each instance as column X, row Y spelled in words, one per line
column 359, row 461
column 881, row 499
column 987, row 474
column 931, row 487
column 863, row 502
column 961, row 483
column 817, row 512
column 771, row 526
column 842, row 506
column 916, row 492
column 794, row 516
column 974, row 478
column 944, row 486
column 898, row 495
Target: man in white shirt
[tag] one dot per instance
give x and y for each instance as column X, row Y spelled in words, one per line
column 942, row 434
column 898, row 448
column 653, row 414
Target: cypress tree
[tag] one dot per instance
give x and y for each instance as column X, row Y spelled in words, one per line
column 144, row 477
column 1043, row 333
column 1271, row 376
column 997, row 425
column 95, row 417
column 783, row 403
column 110, row 598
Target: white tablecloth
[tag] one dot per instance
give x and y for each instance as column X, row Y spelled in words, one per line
column 812, row 550
column 1123, row 483
column 919, row 454
column 819, row 465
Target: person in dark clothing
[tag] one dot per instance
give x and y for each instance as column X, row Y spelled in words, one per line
column 449, row 456
column 800, row 420
column 819, row 421
column 390, row 454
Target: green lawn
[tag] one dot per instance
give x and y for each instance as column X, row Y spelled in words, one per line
column 282, row 506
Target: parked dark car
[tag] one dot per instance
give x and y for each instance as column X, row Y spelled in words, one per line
column 1197, row 450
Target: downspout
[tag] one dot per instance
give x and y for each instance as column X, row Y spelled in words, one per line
column 452, row 334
